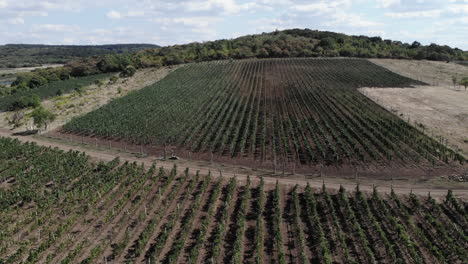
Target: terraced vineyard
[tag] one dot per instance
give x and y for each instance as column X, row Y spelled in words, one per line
column 272, row 111
column 59, row 207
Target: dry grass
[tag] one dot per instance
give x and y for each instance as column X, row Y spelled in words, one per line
column 442, row 109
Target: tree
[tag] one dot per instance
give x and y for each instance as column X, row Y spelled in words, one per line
column 129, row 71
column 32, row 100
column 464, row 82
column 42, row 117
column 454, row 80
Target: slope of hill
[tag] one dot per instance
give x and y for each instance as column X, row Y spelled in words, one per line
column 28, row 55
column 59, row 207
column 268, row 113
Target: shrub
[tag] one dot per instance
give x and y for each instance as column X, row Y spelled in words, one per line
column 32, row 100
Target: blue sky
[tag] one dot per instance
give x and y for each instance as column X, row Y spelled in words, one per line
column 183, row 21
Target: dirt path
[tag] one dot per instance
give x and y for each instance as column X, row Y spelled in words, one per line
column 437, row 187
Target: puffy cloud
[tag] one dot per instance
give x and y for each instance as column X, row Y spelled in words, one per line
column 113, row 15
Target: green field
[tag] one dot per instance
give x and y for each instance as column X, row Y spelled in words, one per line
column 301, row 111
column 59, row 207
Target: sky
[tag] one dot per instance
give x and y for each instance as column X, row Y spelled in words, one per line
column 94, row 22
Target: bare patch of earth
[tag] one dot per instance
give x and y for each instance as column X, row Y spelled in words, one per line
column 441, row 110
column 436, row 73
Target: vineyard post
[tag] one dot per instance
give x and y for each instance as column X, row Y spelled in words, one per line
column 284, row 165
column 95, row 142
column 141, row 151
column 110, row 144
column 82, row 139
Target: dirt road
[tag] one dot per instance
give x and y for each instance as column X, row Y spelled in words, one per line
column 437, row 188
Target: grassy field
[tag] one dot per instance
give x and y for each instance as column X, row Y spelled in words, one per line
column 58, row 207
column 272, row 111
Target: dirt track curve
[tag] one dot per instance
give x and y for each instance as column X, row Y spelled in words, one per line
column 437, row 188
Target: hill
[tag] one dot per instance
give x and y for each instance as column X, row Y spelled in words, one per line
column 271, row 113
column 278, row 44
column 31, row 55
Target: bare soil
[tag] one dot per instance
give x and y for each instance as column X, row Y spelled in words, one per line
column 435, row 73
column 442, row 110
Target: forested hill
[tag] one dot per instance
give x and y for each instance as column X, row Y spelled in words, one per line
column 27, row 55
column 308, row 43
column 277, row 44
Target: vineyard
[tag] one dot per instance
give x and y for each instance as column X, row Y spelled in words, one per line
column 52, row 89
column 58, row 207
column 272, row 111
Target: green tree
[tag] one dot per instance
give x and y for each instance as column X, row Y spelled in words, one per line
column 32, row 100
column 128, row 72
column 464, row 82
column 42, row 117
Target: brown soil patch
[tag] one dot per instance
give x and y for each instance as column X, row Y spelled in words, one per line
column 435, row 73
column 442, row 110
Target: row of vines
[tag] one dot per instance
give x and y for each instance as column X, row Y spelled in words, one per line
column 280, row 111
column 59, row 207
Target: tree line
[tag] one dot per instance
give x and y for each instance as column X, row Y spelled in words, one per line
column 277, row 44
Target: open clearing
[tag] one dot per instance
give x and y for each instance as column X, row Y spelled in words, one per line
column 27, row 69
column 435, row 73
column 443, row 109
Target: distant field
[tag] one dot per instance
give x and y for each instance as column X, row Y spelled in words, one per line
column 58, row 207
column 275, row 111
column 51, row 89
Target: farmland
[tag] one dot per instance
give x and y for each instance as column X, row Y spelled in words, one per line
column 273, row 113
column 59, row 207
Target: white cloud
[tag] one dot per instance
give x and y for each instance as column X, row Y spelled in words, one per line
column 388, row 3
column 3, row 3
column 226, row 6
column 54, row 28
column 16, row 21
column 113, row 15
column 458, row 9
column 415, row 14
column 351, row 20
